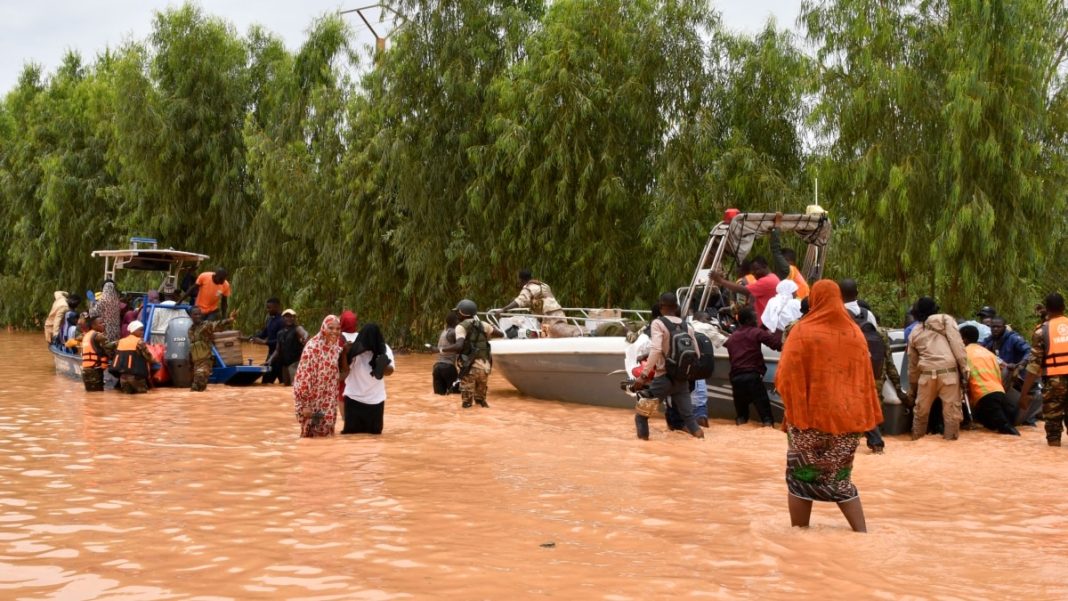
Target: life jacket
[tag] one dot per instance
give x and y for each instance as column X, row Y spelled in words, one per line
column 93, row 357
column 984, row 375
column 802, row 285
column 128, row 360
column 1055, row 331
column 476, row 343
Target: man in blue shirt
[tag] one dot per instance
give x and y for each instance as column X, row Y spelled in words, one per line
column 269, row 335
column 1011, row 349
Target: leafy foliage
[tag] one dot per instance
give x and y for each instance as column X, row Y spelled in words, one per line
column 595, row 142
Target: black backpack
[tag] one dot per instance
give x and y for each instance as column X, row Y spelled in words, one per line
column 876, row 347
column 687, row 360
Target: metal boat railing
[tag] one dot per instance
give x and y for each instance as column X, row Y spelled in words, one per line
column 582, row 317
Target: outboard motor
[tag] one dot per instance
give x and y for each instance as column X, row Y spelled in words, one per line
column 177, row 355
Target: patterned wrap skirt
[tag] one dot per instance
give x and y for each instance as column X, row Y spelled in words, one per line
column 819, row 466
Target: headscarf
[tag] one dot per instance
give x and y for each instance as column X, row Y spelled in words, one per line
column 107, row 307
column 317, row 374
column 370, row 340
column 782, row 309
column 348, row 326
column 824, row 374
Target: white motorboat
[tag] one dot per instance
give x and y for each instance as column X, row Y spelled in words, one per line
column 589, row 369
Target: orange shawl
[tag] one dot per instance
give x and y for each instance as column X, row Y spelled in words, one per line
column 824, row 374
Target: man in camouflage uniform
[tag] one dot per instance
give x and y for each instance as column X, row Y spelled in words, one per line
column 201, row 340
column 538, row 297
column 473, row 349
column 1049, row 359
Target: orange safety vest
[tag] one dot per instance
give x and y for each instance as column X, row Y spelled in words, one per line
column 1055, row 332
column 984, row 373
column 92, row 357
column 802, row 285
column 128, row 360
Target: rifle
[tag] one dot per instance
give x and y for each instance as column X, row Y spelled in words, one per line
column 467, row 361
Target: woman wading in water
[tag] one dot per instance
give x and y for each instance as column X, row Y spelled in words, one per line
column 826, row 383
column 315, row 385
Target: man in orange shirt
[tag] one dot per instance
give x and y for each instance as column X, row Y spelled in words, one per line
column 986, row 395
column 212, row 292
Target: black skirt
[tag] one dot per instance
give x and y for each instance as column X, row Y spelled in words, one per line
column 361, row 418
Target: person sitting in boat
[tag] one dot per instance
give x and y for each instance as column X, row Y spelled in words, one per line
column 64, row 334
column 760, row 290
column 211, row 293
column 133, row 362
column 785, row 260
column 538, row 297
column 55, row 323
column 96, row 354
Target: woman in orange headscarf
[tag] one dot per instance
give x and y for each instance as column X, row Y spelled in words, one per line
column 827, row 387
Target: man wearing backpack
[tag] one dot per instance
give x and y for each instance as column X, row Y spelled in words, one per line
column 673, row 350
column 877, row 348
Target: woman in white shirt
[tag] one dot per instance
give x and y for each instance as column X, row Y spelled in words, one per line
column 370, row 360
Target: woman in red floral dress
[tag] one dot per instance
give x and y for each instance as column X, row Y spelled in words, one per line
column 316, row 382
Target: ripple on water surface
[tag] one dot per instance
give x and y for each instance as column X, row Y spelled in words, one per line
column 177, row 495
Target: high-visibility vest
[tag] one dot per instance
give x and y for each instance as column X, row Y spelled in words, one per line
column 128, row 360
column 984, row 373
column 802, row 285
column 1055, row 332
column 92, row 357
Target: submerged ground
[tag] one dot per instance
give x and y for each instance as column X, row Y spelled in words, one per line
column 175, row 495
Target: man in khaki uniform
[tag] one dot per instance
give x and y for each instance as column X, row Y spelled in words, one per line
column 936, row 360
column 538, row 297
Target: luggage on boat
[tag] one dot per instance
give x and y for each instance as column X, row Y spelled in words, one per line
column 177, row 355
column 228, row 344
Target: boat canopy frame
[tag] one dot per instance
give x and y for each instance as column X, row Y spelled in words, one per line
column 735, row 238
column 149, row 258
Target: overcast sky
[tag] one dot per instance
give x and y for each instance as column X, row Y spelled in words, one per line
column 43, row 31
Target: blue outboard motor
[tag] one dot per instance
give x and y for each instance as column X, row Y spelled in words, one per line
column 177, row 355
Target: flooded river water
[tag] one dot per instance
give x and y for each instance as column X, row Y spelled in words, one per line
column 176, row 495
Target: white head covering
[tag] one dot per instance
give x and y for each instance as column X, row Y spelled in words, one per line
column 782, row 309
column 134, row 326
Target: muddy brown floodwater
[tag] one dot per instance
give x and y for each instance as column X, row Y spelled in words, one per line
column 176, row 495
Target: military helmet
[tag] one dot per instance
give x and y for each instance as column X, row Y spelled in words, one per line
column 466, row 307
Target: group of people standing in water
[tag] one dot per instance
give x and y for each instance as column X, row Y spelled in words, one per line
column 342, row 373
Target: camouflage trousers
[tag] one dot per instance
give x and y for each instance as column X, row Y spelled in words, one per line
column 1054, row 399
column 132, row 384
column 201, row 373
column 93, row 379
column 473, row 387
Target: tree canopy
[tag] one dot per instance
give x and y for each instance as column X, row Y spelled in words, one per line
column 594, row 142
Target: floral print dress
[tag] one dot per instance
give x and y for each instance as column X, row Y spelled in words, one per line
column 315, row 385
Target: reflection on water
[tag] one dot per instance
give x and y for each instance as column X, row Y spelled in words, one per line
column 175, row 495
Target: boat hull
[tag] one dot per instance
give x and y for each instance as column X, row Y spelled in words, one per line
column 589, row 370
